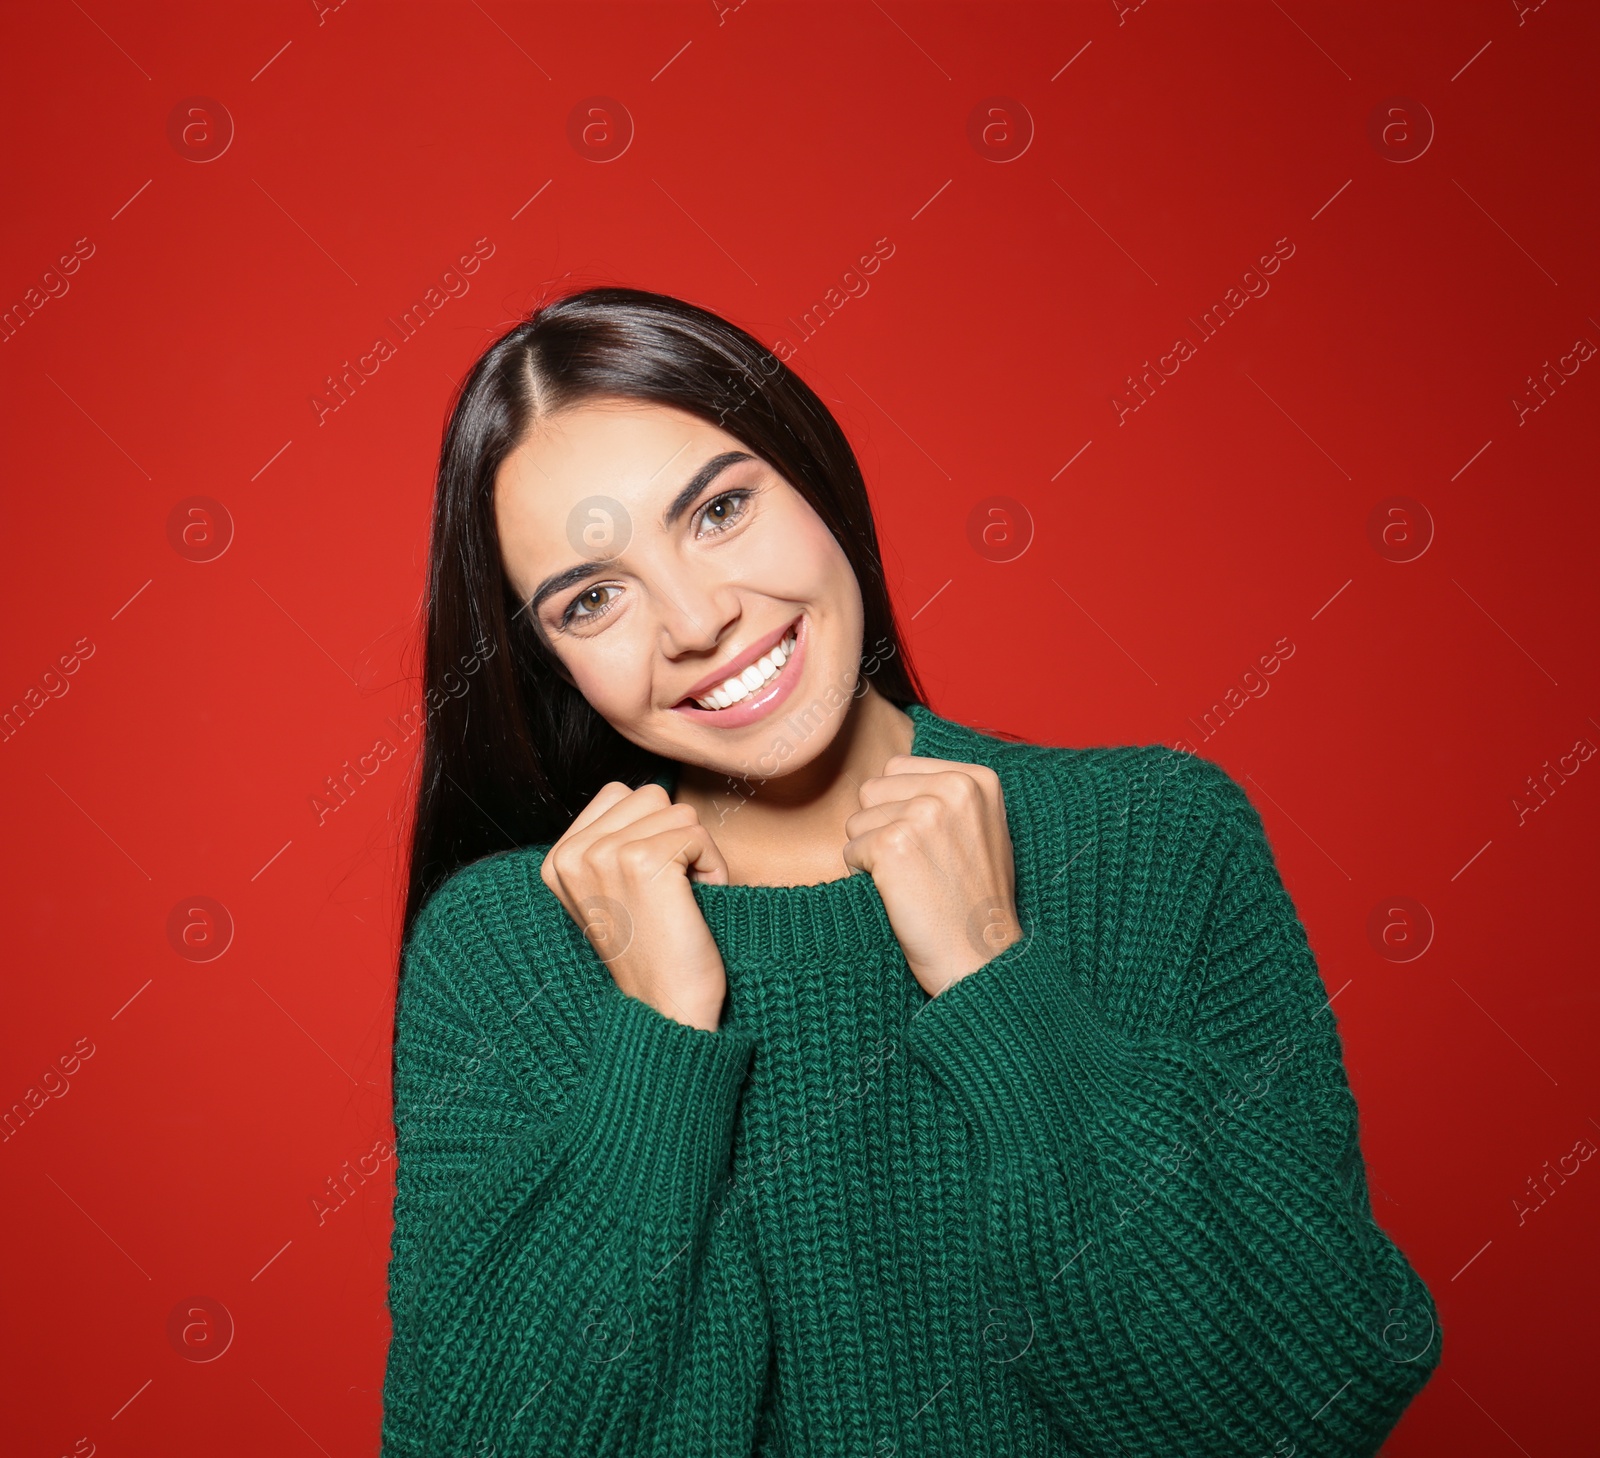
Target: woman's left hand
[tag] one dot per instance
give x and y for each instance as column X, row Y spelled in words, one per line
column 932, row 833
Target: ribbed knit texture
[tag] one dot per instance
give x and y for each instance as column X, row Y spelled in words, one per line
column 1103, row 1196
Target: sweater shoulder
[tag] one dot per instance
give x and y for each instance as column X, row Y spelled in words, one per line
column 1124, row 851
column 1188, row 794
column 469, row 909
column 493, row 940
column 1188, row 798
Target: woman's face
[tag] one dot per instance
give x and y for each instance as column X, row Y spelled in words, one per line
column 660, row 558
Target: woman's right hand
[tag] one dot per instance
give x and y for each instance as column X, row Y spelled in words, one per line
column 622, row 871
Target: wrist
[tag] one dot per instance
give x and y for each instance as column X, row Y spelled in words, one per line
column 696, row 1012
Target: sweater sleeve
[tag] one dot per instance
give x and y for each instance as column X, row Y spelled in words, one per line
column 1180, row 1246
column 561, row 1279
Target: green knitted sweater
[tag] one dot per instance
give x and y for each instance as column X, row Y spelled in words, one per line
column 1102, row 1196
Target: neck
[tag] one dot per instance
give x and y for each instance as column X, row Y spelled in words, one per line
column 789, row 829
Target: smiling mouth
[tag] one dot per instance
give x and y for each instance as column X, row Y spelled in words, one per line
column 755, row 679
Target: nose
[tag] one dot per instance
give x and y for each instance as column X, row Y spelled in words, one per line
column 694, row 616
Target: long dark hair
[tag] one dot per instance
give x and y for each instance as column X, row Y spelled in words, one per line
column 511, row 750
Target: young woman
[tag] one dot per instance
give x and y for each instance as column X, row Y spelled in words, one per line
column 781, row 1067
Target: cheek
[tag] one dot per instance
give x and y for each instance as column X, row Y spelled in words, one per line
column 799, row 559
column 613, row 671
column 808, row 566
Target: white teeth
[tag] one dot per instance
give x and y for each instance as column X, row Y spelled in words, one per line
column 756, row 676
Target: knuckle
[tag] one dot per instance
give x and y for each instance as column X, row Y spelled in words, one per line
column 636, row 858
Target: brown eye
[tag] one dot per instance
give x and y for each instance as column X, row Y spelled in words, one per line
column 722, row 511
column 590, row 603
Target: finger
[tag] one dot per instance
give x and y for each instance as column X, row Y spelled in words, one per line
column 708, row 862
column 907, row 783
column 923, row 764
column 616, row 806
column 711, row 866
column 689, row 847
column 873, row 817
column 612, row 808
column 608, row 795
column 873, row 831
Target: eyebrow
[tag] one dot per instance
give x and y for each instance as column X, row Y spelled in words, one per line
column 571, row 576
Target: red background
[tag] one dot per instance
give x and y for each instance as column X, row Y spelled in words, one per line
column 1169, row 147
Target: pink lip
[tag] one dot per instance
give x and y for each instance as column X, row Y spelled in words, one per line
column 759, row 704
